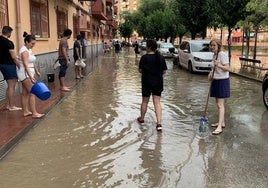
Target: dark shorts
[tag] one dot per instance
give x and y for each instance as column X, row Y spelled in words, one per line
column 220, row 88
column 9, row 71
column 63, row 68
column 147, row 91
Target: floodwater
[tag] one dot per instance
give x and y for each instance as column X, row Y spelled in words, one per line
column 92, row 138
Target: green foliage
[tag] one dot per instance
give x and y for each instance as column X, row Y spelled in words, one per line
column 126, row 29
column 148, row 7
column 259, row 13
column 173, row 18
column 195, row 16
column 230, row 11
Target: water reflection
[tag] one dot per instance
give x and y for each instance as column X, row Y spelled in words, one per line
column 92, row 138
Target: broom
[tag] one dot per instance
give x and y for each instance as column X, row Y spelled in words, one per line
column 204, row 119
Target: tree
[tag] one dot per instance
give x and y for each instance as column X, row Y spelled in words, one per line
column 180, row 29
column 126, row 30
column 230, row 12
column 195, row 16
column 258, row 18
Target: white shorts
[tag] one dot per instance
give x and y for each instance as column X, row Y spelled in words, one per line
column 22, row 74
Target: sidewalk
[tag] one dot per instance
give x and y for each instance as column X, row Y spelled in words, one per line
column 13, row 126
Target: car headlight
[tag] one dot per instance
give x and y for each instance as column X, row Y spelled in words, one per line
column 201, row 60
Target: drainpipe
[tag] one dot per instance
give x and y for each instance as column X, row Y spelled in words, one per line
column 18, row 24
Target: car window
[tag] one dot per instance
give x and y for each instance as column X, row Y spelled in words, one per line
column 187, row 47
column 166, row 45
column 182, row 46
column 200, row 47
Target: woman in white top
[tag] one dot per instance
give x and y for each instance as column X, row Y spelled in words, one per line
column 220, row 86
column 26, row 74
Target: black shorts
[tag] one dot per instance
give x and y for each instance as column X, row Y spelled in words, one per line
column 9, row 71
column 148, row 90
column 63, row 67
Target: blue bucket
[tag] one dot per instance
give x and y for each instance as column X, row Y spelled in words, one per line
column 41, row 91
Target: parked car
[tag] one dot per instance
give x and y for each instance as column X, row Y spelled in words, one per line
column 195, row 55
column 143, row 45
column 265, row 90
column 164, row 49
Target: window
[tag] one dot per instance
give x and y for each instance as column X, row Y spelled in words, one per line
column 3, row 13
column 39, row 18
column 62, row 21
column 76, row 26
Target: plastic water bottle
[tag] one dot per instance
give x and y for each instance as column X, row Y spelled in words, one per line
column 203, row 124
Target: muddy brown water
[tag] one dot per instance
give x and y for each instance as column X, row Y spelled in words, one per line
column 92, row 139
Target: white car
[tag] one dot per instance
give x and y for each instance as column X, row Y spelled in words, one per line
column 195, row 55
column 163, row 48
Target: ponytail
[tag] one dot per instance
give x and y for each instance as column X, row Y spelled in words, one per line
column 27, row 37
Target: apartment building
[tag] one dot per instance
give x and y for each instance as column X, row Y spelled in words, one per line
column 47, row 19
column 128, row 5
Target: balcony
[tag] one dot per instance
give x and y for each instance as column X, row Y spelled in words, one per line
column 115, row 10
column 98, row 10
column 111, row 2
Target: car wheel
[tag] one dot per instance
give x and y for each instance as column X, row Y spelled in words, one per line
column 175, row 60
column 190, row 67
column 179, row 63
column 265, row 96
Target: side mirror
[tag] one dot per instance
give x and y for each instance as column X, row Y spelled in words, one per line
column 171, row 50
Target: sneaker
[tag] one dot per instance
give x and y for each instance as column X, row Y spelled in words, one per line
column 140, row 120
column 159, row 127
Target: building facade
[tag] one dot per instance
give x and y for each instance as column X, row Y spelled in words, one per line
column 95, row 20
column 46, row 19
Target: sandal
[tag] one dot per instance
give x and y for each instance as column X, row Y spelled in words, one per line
column 216, row 132
column 216, row 125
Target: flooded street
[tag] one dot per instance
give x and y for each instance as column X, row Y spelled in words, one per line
column 92, row 138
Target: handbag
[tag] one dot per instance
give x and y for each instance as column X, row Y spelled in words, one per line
column 56, row 64
column 80, row 63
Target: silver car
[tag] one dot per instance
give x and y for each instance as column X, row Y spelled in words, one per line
column 163, row 48
column 195, row 55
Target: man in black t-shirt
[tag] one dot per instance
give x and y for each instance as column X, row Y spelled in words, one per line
column 77, row 56
column 136, row 49
column 8, row 63
column 152, row 66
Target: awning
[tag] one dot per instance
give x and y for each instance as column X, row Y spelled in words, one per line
column 237, row 34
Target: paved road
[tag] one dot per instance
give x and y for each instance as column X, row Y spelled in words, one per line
column 92, row 139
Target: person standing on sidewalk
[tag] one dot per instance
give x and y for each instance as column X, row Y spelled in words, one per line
column 8, row 63
column 220, row 85
column 77, row 56
column 64, row 59
column 152, row 66
column 26, row 74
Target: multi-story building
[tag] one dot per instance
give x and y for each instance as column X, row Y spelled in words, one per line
column 128, row 5
column 47, row 19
